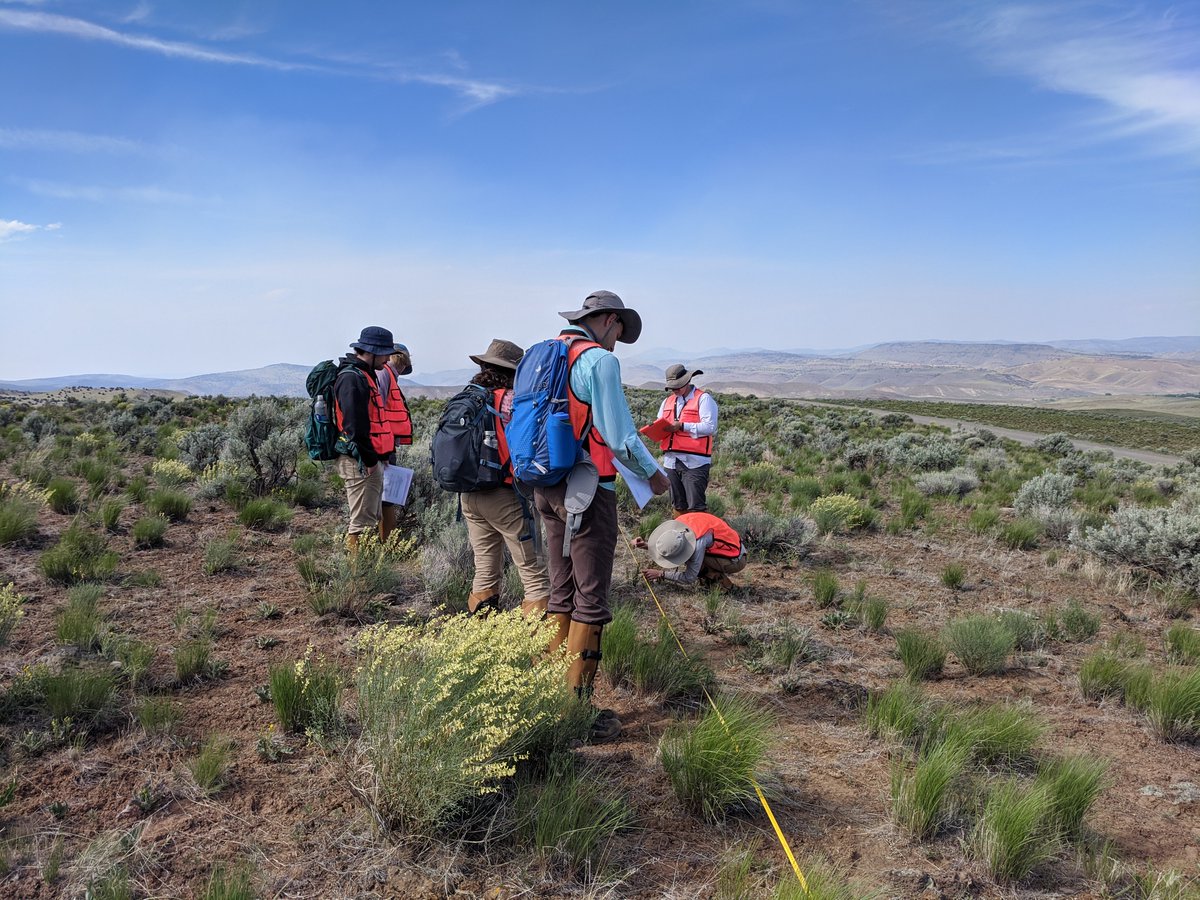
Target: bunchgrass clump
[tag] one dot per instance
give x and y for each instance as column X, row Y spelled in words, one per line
column 923, row 799
column 980, row 643
column 1073, row 623
column 19, row 506
column 79, row 555
column 1026, row 629
column 84, row 694
column 349, row 582
column 230, row 884
column 1023, row 534
column 306, row 694
column 158, row 715
column 1103, row 675
column 899, row 712
column 568, row 816
column 223, row 554
column 821, row 882
column 1073, row 783
column 1182, row 643
column 193, row 659
column 923, row 654
column 872, row 611
column 835, row 512
column 78, row 623
column 712, row 763
column 953, row 576
column 983, row 519
column 449, row 708
column 650, row 666
column 210, row 765
column 1015, row 832
column 109, row 514
column 265, row 514
column 1173, row 705
column 63, row 496
column 997, row 733
column 150, row 532
column 825, row 588
column 11, row 610
column 174, row 505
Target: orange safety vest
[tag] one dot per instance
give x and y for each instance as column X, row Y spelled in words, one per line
column 726, row 541
column 395, row 412
column 501, row 437
column 382, row 439
column 681, row 441
column 581, row 413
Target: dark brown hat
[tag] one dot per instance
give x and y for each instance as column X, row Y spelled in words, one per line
column 504, row 354
column 607, row 301
column 678, row 376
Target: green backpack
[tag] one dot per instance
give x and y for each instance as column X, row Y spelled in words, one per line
column 321, row 433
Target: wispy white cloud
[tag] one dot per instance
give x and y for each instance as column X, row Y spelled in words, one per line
column 1141, row 70
column 476, row 92
column 139, row 13
column 67, row 141
column 13, row 228
column 103, row 194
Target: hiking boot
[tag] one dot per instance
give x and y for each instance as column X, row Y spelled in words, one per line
column 535, row 609
column 482, row 602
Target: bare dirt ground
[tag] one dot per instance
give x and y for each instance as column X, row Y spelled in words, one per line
column 299, row 823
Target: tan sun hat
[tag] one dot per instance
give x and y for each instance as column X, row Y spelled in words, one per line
column 607, row 301
column 678, row 376
column 504, row 354
column 671, row 544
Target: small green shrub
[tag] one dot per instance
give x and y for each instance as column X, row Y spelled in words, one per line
column 953, row 576
column 150, row 532
column 265, row 514
column 1183, row 644
column 174, row 505
column 1015, row 832
column 980, row 643
column 1023, row 534
column 923, row 654
column 711, row 763
column 825, row 588
column 834, row 512
column 63, row 496
column 922, row 800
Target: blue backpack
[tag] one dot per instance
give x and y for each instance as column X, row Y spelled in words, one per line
column 541, row 441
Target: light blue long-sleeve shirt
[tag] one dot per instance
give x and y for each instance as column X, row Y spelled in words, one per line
column 596, row 379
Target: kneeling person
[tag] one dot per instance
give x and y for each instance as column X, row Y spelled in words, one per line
column 696, row 545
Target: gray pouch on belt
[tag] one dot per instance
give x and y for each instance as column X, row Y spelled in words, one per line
column 581, row 489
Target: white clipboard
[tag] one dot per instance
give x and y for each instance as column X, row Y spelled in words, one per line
column 396, row 483
column 639, row 487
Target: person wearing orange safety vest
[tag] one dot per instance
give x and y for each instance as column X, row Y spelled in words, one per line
column 687, row 449
column 579, row 581
column 364, row 437
column 496, row 518
column 695, row 545
column 396, row 415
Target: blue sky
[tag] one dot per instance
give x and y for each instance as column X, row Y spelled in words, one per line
column 194, row 187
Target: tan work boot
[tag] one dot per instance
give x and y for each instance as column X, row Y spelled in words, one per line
column 482, row 602
column 535, row 609
column 563, row 621
column 678, row 512
column 352, row 544
column 583, row 642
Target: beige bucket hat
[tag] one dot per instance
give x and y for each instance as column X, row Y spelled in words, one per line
column 671, row 544
column 678, row 376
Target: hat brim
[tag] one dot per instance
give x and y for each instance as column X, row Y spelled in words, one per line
column 377, row 349
column 493, row 361
column 629, row 318
column 686, row 551
column 683, row 380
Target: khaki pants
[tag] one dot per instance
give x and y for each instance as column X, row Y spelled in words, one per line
column 364, row 494
column 723, row 565
column 494, row 520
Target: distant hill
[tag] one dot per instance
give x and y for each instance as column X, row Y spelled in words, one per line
column 994, row 371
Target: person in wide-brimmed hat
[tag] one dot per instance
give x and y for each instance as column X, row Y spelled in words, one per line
column 364, row 437
column 496, row 518
column 691, row 415
column 396, row 414
column 579, row 581
column 695, row 545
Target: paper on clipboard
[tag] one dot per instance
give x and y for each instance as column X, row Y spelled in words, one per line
column 656, row 430
column 396, row 482
column 639, row 487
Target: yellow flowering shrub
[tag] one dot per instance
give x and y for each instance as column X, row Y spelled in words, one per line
column 170, row 472
column 450, row 708
column 23, row 491
column 10, row 611
column 835, row 511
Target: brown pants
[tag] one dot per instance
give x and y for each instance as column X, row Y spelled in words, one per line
column 493, row 521
column 722, row 565
column 579, row 583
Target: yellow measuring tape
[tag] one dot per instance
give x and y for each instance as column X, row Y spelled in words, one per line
column 783, row 842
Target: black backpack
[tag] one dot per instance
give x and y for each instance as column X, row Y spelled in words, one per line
column 465, row 452
column 321, row 433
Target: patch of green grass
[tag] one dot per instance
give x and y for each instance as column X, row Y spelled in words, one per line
column 63, row 496
column 18, row 519
column 900, row 712
column 953, row 576
column 822, row 882
column 265, row 514
column 210, row 765
column 1023, row 534
column 78, row 623
column 150, row 532
column 980, row 643
column 1073, row 623
column 983, row 519
column 1026, row 629
column 1183, row 644
column 1103, row 675
column 110, row 513
column 1073, row 783
column 1014, row 834
column 148, row 578
column 230, row 884
column 711, row 763
column 86, row 695
column 193, row 659
column 923, row 654
column 79, row 555
column 650, row 666
column 158, row 715
column 223, row 554
column 173, row 505
column 1173, row 705
column 923, row 799
column 825, row 588
column 307, row 694
column 997, row 733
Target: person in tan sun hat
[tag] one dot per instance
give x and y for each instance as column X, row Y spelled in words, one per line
column 496, row 518
column 695, row 545
column 691, row 415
